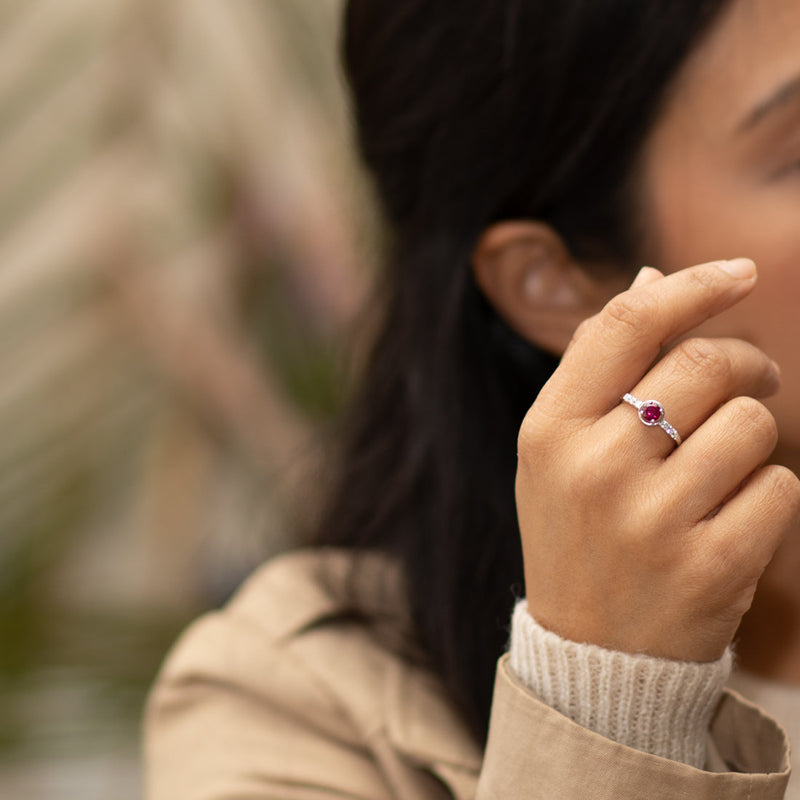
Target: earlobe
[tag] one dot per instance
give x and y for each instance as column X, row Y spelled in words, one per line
column 529, row 276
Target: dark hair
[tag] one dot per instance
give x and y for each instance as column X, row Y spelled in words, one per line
column 467, row 113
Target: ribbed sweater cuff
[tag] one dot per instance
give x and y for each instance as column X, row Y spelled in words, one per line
column 651, row 704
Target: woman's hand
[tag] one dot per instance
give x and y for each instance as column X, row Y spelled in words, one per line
column 630, row 542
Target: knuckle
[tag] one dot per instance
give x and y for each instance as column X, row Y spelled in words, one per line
column 543, row 433
column 644, row 520
column 596, row 471
column 704, row 280
column 535, row 435
column 634, row 312
column 585, row 479
column 530, row 436
column 582, row 330
column 753, row 416
column 783, row 487
column 704, row 357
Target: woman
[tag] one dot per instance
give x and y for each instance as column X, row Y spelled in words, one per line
column 528, row 157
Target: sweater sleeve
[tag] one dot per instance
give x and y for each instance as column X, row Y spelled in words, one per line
column 651, row 704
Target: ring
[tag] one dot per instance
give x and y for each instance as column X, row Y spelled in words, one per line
column 651, row 413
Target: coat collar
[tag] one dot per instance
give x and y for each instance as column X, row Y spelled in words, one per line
column 307, row 587
column 423, row 724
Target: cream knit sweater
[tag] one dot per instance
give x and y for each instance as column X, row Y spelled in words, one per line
column 651, row 704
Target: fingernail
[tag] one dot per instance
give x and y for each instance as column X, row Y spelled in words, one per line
column 739, row 267
column 641, row 277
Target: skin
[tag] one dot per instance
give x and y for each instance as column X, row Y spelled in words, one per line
column 629, row 542
column 717, row 186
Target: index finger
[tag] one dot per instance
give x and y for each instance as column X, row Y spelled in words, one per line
column 622, row 341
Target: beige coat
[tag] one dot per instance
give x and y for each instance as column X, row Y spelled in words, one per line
column 281, row 696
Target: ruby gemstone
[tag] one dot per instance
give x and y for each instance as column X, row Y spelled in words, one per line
column 651, row 412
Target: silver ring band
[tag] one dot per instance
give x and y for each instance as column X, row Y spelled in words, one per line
column 651, row 413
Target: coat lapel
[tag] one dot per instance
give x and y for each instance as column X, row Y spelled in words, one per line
column 423, row 724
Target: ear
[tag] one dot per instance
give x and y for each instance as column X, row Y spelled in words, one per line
column 529, row 276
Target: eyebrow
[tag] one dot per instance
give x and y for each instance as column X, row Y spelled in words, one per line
column 787, row 93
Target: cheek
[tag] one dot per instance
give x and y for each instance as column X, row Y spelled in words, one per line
column 697, row 219
column 700, row 204
column 700, row 214
column 770, row 316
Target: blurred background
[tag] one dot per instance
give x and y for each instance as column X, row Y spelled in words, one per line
column 185, row 241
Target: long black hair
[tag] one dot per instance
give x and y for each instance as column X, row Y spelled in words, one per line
column 468, row 113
